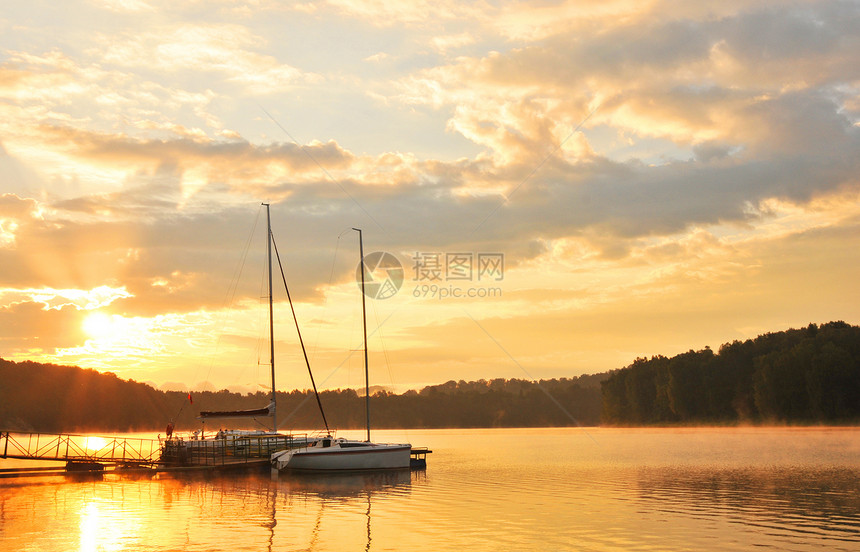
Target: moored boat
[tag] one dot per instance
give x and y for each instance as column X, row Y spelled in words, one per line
column 330, row 454
column 236, row 446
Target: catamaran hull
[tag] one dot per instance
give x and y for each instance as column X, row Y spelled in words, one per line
column 337, row 459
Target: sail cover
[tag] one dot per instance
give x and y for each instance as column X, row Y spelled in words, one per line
column 254, row 413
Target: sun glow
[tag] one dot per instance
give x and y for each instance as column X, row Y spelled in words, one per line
column 57, row 299
column 95, row 443
column 99, row 325
column 118, row 337
column 104, row 527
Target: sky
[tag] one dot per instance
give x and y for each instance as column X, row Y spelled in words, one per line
column 557, row 187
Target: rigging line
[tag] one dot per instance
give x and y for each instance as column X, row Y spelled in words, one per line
column 536, row 382
column 319, row 328
column 323, row 169
column 339, row 366
column 385, row 355
column 181, row 408
column 345, row 360
column 262, row 340
column 536, row 169
column 382, row 342
column 298, row 331
column 237, row 274
column 325, row 296
column 261, row 323
column 233, row 286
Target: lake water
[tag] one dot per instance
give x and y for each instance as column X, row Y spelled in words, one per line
column 595, row 489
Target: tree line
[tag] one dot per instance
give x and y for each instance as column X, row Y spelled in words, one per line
column 51, row 398
column 808, row 375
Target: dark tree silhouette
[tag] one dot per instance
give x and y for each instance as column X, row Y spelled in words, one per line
column 810, row 375
column 49, row 398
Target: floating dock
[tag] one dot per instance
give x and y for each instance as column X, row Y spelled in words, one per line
column 87, row 454
column 418, row 458
column 92, row 454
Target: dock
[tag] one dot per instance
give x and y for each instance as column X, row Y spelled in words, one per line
column 89, row 454
column 93, row 454
column 79, row 452
column 418, row 458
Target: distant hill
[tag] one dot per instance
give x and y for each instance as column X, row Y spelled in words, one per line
column 808, row 375
column 51, row 398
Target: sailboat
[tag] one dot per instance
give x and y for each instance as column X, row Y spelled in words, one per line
column 339, row 454
column 242, row 446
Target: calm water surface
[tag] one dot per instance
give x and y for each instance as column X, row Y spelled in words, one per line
column 524, row 489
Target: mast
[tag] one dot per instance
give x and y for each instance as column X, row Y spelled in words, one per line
column 364, row 325
column 271, row 317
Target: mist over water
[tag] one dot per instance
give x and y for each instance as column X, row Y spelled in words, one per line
column 504, row 489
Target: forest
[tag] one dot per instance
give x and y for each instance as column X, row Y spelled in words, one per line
column 808, row 375
column 50, row 398
column 797, row 376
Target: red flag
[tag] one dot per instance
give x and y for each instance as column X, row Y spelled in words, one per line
column 189, row 398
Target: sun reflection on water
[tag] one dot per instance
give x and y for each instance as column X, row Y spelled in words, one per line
column 107, row 527
column 626, row 489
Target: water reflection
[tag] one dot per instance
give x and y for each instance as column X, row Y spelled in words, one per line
column 101, row 529
column 632, row 490
column 343, row 505
column 343, row 485
column 782, row 502
column 293, row 511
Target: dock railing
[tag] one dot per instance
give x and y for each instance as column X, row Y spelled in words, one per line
column 227, row 450
column 79, row 449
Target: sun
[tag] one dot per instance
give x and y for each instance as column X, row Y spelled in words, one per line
column 95, row 443
column 99, row 326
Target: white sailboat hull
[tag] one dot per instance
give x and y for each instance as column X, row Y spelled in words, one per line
column 356, row 456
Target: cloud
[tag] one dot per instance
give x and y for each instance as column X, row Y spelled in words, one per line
column 221, row 160
column 52, row 91
column 125, row 6
column 424, row 205
column 226, row 49
column 15, row 207
column 13, row 212
column 611, row 153
column 451, row 42
column 57, row 299
column 415, row 13
column 690, row 80
column 421, row 204
column 377, row 57
column 31, row 331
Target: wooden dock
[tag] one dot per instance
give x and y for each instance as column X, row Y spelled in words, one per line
column 418, row 458
column 88, row 454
